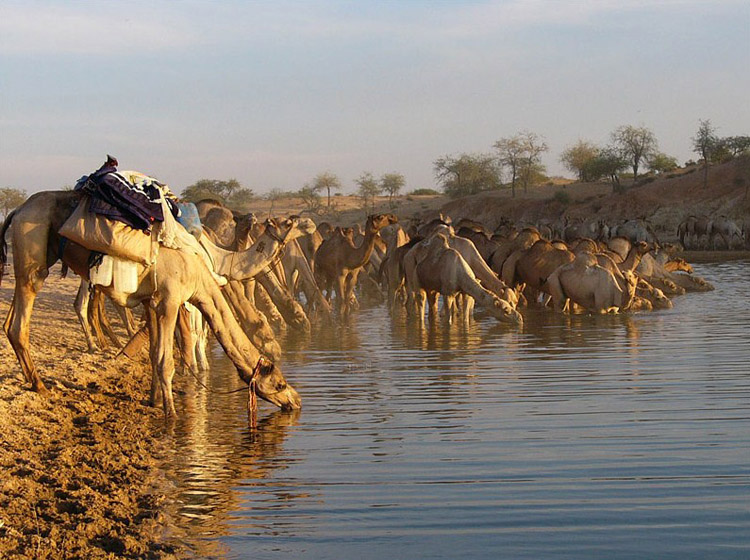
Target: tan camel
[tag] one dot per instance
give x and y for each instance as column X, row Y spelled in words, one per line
column 589, row 285
column 433, row 268
column 176, row 277
column 661, row 269
column 473, row 258
column 338, row 260
column 298, row 276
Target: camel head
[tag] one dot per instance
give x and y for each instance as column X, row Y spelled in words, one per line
column 376, row 222
column 503, row 311
column 292, row 227
column 271, row 386
column 642, row 247
column 678, row 264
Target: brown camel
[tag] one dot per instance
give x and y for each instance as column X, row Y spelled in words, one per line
column 433, row 268
column 338, row 260
column 176, row 277
column 533, row 266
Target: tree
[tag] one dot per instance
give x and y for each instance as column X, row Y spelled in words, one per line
column 511, row 155
column 326, row 181
column 609, row 163
column 241, row 198
column 705, row 142
column 392, row 183
column 532, row 170
column 367, row 188
column 661, row 163
column 636, row 145
column 274, row 195
column 10, row 198
column 467, row 174
column 310, row 198
column 222, row 191
column 578, row 157
column 736, row 145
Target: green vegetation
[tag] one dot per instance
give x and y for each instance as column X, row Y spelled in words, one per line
column 10, row 198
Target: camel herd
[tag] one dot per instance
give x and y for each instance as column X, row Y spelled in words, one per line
column 246, row 279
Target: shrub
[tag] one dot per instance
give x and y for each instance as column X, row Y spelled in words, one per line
column 419, row 192
column 563, row 197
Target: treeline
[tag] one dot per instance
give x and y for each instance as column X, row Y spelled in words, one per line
column 516, row 160
column 312, row 194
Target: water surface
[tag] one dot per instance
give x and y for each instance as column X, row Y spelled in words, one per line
column 578, row 437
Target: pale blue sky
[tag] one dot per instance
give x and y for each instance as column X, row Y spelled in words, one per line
column 272, row 93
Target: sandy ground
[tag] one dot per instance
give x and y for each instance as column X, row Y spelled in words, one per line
column 79, row 468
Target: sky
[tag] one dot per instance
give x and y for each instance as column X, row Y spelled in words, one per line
column 274, row 93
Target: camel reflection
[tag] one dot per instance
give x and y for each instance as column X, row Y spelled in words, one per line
column 214, row 450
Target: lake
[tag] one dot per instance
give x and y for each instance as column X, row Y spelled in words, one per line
column 619, row 436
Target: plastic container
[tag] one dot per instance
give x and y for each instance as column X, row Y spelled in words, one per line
column 101, row 274
column 124, row 275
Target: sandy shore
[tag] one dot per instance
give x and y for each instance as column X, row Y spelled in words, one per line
column 79, row 468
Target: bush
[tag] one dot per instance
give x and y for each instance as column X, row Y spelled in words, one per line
column 563, row 197
column 419, row 192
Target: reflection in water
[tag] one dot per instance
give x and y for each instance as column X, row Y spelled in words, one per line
column 617, row 436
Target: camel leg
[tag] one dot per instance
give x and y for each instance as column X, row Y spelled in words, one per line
column 81, row 306
column 100, row 321
column 18, row 322
column 341, row 300
column 420, row 297
column 432, row 299
column 126, row 316
column 166, row 320
column 154, row 393
column 468, row 307
column 187, row 340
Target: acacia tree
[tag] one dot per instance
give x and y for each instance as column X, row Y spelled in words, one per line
column 367, row 188
column 661, row 162
column 608, row 163
column 636, row 144
column 230, row 192
column 705, row 143
column 467, row 174
column 10, row 198
column 326, row 181
column 578, row 157
column 511, row 156
column 392, row 183
column 531, row 165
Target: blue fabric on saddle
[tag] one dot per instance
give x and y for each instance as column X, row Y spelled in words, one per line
column 128, row 197
column 190, row 219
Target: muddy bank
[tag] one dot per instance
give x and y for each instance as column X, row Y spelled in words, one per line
column 80, row 468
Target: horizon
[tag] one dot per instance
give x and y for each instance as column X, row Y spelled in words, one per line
column 271, row 94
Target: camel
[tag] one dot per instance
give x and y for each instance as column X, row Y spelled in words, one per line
column 338, row 260
column 522, row 240
column 635, row 230
column 597, row 229
column 663, row 271
column 692, row 229
column 533, row 266
column 177, row 276
column 484, row 273
column 728, row 230
column 432, row 268
column 591, row 286
column 648, row 291
column 297, row 274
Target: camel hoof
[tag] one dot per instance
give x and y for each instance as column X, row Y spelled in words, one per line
column 39, row 387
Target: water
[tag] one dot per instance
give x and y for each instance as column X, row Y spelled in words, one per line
column 579, row 437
